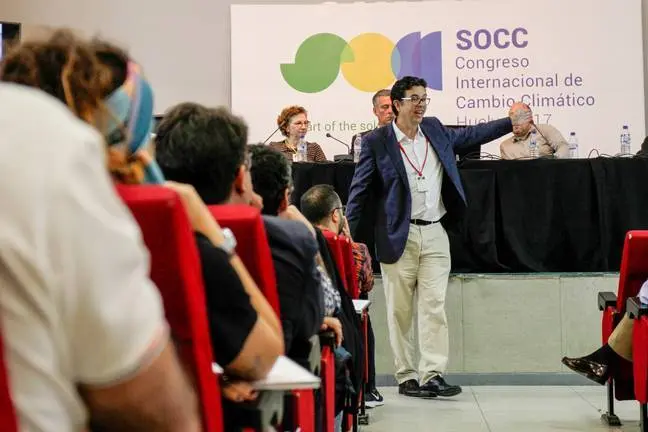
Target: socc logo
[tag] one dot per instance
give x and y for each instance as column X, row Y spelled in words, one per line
column 369, row 62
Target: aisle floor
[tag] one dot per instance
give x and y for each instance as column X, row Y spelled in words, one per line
column 502, row 409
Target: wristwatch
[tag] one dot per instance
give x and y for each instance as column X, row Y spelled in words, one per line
column 229, row 243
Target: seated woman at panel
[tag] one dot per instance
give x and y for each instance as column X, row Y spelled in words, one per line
column 293, row 124
column 98, row 83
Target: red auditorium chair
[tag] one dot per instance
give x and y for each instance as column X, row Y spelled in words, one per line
column 639, row 313
column 335, row 247
column 327, row 374
column 634, row 271
column 175, row 269
column 353, row 285
column 252, row 247
column 342, row 253
column 7, row 413
column 353, row 288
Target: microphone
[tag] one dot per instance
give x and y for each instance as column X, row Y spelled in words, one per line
column 271, row 135
column 343, row 157
column 328, row 135
column 538, row 130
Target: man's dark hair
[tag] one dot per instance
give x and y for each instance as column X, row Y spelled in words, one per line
column 318, row 202
column 401, row 86
column 203, row 147
column 380, row 93
column 271, row 176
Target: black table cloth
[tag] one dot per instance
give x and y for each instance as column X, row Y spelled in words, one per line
column 528, row 216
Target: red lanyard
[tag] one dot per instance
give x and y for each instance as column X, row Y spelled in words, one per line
column 418, row 171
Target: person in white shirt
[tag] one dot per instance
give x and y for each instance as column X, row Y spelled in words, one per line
column 84, row 330
column 408, row 169
column 549, row 140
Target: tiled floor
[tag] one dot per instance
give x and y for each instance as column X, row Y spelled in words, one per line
column 501, row 409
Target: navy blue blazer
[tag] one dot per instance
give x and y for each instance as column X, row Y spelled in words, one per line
column 381, row 174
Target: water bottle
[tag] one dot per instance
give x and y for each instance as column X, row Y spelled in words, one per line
column 626, row 146
column 302, row 154
column 573, row 146
column 533, row 145
column 357, row 146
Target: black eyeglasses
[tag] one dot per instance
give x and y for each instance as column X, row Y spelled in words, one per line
column 343, row 208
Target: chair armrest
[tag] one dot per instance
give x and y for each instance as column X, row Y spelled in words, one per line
column 361, row 305
column 606, row 299
column 285, row 375
column 635, row 309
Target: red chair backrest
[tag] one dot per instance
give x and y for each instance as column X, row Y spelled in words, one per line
column 252, row 246
column 7, row 413
column 634, row 267
column 335, row 247
column 353, row 284
column 175, row 269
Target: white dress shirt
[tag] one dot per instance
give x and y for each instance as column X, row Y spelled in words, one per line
column 426, row 205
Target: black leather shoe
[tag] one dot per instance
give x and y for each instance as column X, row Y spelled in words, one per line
column 411, row 388
column 439, row 387
column 597, row 372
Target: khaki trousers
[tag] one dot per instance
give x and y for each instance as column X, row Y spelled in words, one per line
column 417, row 282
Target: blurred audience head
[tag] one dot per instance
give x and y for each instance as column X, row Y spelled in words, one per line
column 322, row 206
column 206, row 147
column 382, row 106
column 293, row 122
column 271, row 178
column 100, row 85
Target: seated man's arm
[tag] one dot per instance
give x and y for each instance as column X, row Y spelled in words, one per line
column 478, row 134
column 556, row 141
column 244, row 342
column 128, row 374
column 504, row 149
column 260, row 303
column 142, row 401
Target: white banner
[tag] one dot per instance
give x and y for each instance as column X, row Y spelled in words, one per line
column 577, row 63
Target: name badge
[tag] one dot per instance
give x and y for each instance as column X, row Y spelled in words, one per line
column 421, row 184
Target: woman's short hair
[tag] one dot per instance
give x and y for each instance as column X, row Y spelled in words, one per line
column 286, row 114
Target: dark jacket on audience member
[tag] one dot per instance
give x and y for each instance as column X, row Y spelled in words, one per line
column 350, row 321
column 301, row 297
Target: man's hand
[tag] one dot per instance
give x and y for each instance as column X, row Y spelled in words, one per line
column 345, row 229
column 293, row 214
column 257, row 201
column 239, row 391
column 335, row 325
column 199, row 216
column 520, row 114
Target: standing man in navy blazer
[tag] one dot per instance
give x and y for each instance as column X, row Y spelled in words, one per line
column 409, row 168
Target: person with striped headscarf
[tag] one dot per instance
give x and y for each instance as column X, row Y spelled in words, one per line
column 102, row 86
